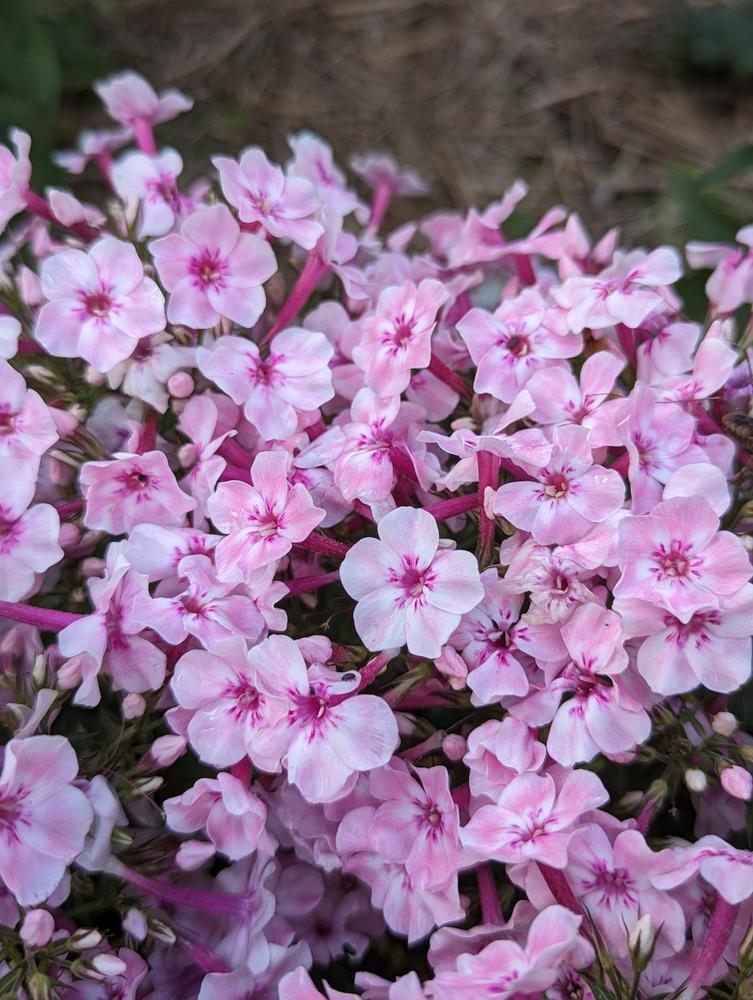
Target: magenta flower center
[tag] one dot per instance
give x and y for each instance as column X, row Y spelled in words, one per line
column 556, row 488
column 98, row 304
column 207, row 268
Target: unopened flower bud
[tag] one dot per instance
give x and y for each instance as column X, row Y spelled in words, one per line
column 134, row 706
column 39, row 671
column 167, row 749
column 641, row 941
column 454, row 747
column 746, row 752
column 180, row 385
column 69, row 535
column 737, row 781
column 451, row 665
column 161, row 931
column 695, row 779
column 40, row 987
column 192, row 854
column 135, row 924
column 108, row 964
column 148, row 785
column 724, row 723
column 92, row 566
column 93, row 377
column 84, row 938
column 37, row 928
column 188, row 455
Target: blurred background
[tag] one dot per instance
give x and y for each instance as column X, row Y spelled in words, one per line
column 638, row 114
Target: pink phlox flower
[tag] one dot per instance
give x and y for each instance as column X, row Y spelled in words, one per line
column 509, row 345
column 561, row 399
column 111, row 634
column 294, row 379
column 128, row 98
column 417, row 823
column 408, row 909
column 232, row 815
column 45, row 817
column 532, row 820
column 528, row 446
column 713, row 364
column 91, row 145
column 614, row 880
column 29, row 534
column 283, row 206
column 731, row 282
column 68, row 210
column 666, row 348
column 601, row 714
column 27, row 427
column 497, row 644
column 15, row 174
column 577, row 255
column 396, row 337
column 99, row 304
column 712, row 648
column 151, row 181
column 622, row 293
column 497, row 752
column 331, row 319
column 332, row 733
column 410, row 590
column 728, row 870
column 677, row 558
column 204, row 607
column 262, row 520
column 130, row 490
column 198, row 421
column 212, row 269
column 507, row 970
column 231, row 709
column 568, row 495
column 313, row 161
column 157, row 550
column 658, row 436
column 145, row 373
column 477, row 238
column 555, row 583
column 298, row 985
column 379, row 168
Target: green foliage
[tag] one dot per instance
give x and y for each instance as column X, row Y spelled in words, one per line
column 717, row 39
column 48, row 50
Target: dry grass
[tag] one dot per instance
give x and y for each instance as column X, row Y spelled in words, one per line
column 573, row 94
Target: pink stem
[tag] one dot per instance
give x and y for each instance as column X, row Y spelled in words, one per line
column 104, row 164
column 560, row 888
column 39, row 207
column 312, row 272
column 360, row 508
column 514, row 470
column 381, row 202
column 43, row 618
column 451, row 508
column 30, row 347
column 233, row 473
column 524, row 269
column 316, row 429
column 144, row 136
column 488, row 478
column 148, row 434
column 450, row 378
column 317, row 542
column 69, row 508
column 204, row 958
column 429, row 745
column 716, row 940
column 621, row 464
column 629, row 343
column 181, row 895
column 367, row 674
column 491, row 911
column 402, row 464
column 306, row 584
column 234, row 453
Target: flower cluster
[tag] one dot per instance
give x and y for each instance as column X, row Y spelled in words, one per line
column 363, row 590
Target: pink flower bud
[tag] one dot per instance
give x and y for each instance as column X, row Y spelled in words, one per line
column 60, row 473
column 37, row 928
column 134, row 706
column 192, row 854
column 738, row 782
column 188, row 455
column 454, row 747
column 180, row 385
column 724, row 723
column 30, row 287
column 166, row 750
column 695, row 779
column 453, row 666
column 92, row 566
column 134, row 923
column 65, row 421
column 108, row 965
column 69, row 535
